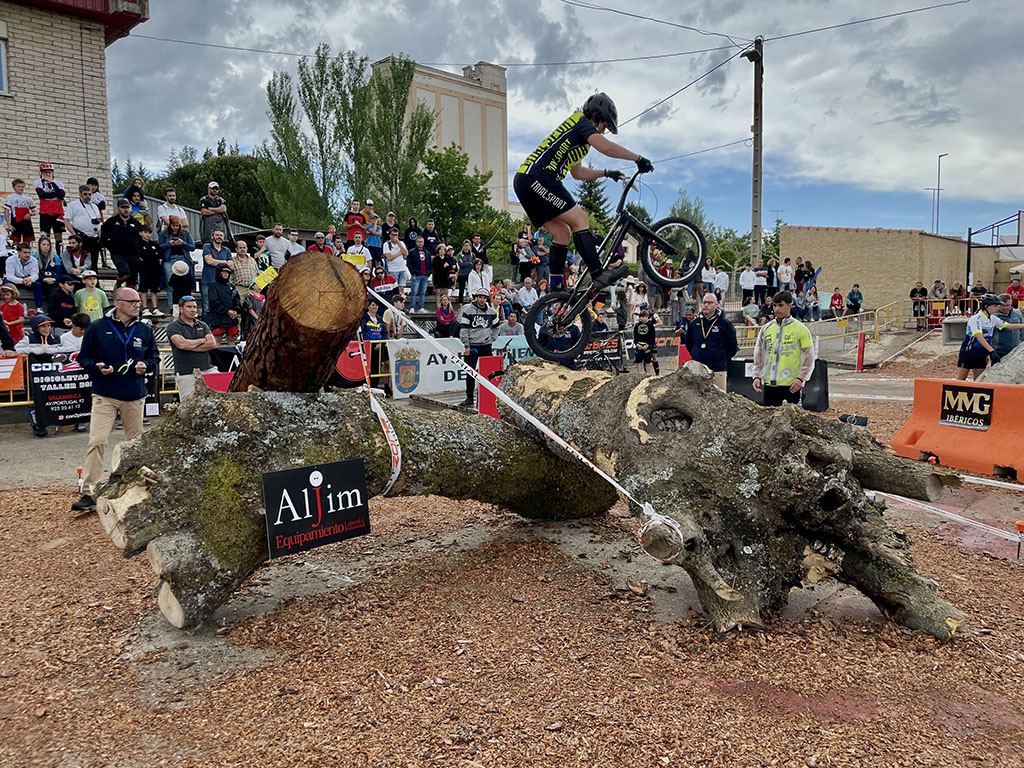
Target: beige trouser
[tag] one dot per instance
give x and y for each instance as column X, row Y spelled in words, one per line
column 719, row 378
column 186, row 383
column 104, row 412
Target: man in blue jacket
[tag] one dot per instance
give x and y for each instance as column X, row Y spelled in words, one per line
column 117, row 351
column 711, row 339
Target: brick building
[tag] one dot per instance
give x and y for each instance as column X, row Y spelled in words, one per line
column 885, row 262
column 53, row 86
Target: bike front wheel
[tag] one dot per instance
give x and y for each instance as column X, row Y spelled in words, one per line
column 553, row 330
column 685, row 257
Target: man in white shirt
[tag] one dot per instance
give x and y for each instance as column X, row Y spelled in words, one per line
column 169, row 207
column 358, row 255
column 747, row 282
column 82, row 218
column 721, row 282
column 785, row 275
column 527, row 294
column 278, row 247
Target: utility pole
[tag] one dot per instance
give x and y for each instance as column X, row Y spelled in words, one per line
column 932, row 190
column 756, row 55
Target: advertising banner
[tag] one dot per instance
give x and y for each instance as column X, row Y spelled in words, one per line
column 12, row 373
column 316, row 505
column 966, row 407
column 417, row 368
column 61, row 393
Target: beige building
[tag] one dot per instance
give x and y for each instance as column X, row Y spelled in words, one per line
column 885, row 262
column 471, row 111
column 53, row 86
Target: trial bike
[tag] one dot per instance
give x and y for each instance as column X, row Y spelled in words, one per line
column 672, row 250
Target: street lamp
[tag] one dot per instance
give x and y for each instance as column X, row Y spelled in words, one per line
column 938, row 190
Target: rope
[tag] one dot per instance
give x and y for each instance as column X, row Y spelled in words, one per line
column 385, row 423
column 647, row 511
column 951, row 516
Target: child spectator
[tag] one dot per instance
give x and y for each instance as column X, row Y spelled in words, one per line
column 394, row 321
column 61, row 306
column 644, row 341
column 91, row 300
column 374, row 330
column 261, row 256
column 252, row 308
column 800, row 305
column 39, row 344
column 71, row 342
column 836, row 304
column 151, row 271
column 19, row 209
column 225, row 306
column 51, row 193
column 13, row 312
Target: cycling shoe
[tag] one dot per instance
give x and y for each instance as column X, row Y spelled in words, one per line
column 610, row 276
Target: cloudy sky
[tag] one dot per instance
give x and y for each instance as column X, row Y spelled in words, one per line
column 855, row 117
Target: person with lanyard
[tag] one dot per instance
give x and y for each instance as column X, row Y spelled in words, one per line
column 117, row 352
column 711, row 340
column 977, row 344
column 375, row 330
column 783, row 354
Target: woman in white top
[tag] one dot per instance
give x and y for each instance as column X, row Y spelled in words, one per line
column 477, row 280
column 707, row 276
column 395, row 254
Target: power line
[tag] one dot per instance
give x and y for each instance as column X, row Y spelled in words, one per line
column 864, row 21
column 507, row 65
column 676, row 93
column 592, row 7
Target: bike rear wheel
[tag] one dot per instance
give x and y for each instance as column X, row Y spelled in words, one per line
column 690, row 251
column 554, row 335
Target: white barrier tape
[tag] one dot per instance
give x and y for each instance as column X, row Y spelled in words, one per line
column 993, row 483
column 385, row 423
column 890, row 398
column 483, row 382
column 951, row 516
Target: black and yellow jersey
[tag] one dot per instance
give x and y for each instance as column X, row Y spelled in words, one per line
column 564, row 148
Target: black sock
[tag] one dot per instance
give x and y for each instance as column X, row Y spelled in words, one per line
column 556, row 258
column 584, row 240
column 657, row 368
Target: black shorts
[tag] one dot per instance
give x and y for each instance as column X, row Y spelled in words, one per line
column 150, row 277
column 969, row 357
column 50, row 223
column 644, row 356
column 542, row 197
column 126, row 265
column 23, row 230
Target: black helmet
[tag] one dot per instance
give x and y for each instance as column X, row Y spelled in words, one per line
column 599, row 104
column 989, row 300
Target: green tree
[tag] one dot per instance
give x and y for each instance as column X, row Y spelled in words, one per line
column 693, row 211
column 238, row 178
column 638, row 210
column 394, row 142
column 729, row 248
column 455, row 197
column 591, row 198
column 770, row 246
column 286, row 174
column 222, row 147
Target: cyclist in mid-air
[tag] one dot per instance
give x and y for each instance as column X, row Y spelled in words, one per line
column 538, row 184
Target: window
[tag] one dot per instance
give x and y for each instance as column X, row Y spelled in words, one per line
column 4, row 85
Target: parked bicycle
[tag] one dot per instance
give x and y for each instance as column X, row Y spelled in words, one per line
column 671, row 250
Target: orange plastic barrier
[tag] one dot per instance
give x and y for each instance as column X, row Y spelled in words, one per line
column 971, row 426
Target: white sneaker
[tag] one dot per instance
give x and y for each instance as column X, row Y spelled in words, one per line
column 158, row 313
column 146, row 312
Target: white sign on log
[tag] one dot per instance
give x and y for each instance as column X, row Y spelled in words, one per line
column 417, row 368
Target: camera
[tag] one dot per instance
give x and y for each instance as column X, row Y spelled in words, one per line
column 96, row 221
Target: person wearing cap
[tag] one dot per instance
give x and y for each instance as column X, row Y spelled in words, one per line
column 117, row 352
column 225, row 306
column 191, row 341
column 61, row 306
column 40, row 344
column 374, row 232
column 120, row 235
column 90, row 299
column 478, row 328
column 976, row 349
column 395, row 321
column 51, row 195
column 355, row 221
column 215, row 214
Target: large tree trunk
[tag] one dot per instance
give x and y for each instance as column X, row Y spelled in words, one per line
column 746, row 499
column 313, row 308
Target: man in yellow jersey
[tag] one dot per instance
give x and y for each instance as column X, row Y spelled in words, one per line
column 783, row 354
column 547, row 202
